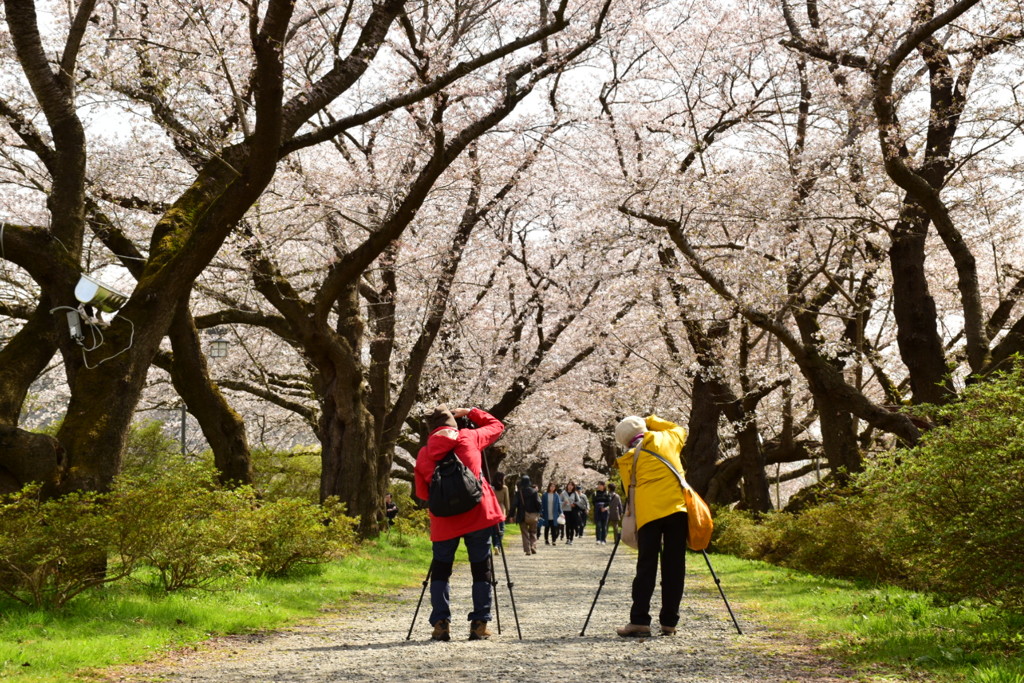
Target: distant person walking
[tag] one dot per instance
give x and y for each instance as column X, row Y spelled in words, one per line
column 526, row 511
column 660, row 518
column 615, row 510
column 602, row 499
column 572, row 506
column 551, row 510
column 475, row 526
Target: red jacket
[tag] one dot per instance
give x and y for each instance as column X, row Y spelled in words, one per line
column 468, row 446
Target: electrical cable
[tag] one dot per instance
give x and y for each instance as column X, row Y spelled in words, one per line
column 97, row 332
column 131, row 341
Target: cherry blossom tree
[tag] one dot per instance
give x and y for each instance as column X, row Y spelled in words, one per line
column 236, row 88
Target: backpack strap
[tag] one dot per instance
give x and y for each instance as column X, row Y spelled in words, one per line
column 630, row 507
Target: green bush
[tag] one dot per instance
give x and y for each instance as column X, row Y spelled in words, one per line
column 839, row 538
column 289, row 533
column 174, row 520
column 52, row 550
column 945, row 517
column 287, row 474
column 148, row 450
column 412, row 518
column 954, row 506
column 186, row 527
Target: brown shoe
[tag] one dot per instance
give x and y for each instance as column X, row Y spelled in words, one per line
column 668, row 630
column 634, row 631
column 478, row 630
column 441, row 631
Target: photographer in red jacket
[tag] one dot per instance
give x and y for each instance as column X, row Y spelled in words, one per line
column 476, row 526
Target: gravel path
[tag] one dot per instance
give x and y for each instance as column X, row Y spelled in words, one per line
column 553, row 591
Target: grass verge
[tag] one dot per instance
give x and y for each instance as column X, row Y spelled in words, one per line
column 127, row 623
column 879, row 629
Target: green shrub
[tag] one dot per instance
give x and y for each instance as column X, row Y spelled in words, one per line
column 148, row 450
column 412, row 518
column 288, row 533
column 946, row 516
column 174, row 519
column 955, row 504
column 839, row 538
column 186, row 527
column 287, row 474
column 52, row 550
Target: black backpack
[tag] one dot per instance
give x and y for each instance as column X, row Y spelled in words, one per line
column 453, row 488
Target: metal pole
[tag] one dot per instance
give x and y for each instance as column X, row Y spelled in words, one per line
column 494, row 591
column 184, row 414
column 426, row 582
column 600, row 586
column 501, row 548
column 511, row 597
column 721, row 592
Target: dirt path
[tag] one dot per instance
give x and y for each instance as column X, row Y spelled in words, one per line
column 553, row 591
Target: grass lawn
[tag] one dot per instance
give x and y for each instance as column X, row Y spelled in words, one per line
column 129, row 623
column 878, row 628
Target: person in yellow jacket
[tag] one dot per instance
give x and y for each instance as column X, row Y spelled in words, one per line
column 660, row 519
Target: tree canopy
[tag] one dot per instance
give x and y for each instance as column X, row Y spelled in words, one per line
column 784, row 224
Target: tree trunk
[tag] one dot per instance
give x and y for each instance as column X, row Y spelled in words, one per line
column 26, row 458
column 838, row 439
column 22, row 360
column 914, row 310
column 221, row 425
column 104, row 396
column 756, row 495
column 702, row 443
column 351, row 468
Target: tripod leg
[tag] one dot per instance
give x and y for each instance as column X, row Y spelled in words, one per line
column 599, row 587
column 426, row 582
column 494, row 590
column 512, row 598
column 721, row 592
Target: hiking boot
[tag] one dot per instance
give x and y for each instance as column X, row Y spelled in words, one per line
column 441, row 631
column 668, row 630
column 634, row 631
column 478, row 630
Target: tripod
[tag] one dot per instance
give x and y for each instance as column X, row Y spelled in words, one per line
column 604, row 576
column 494, row 575
column 494, row 589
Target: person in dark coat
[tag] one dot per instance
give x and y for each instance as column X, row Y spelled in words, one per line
column 390, row 509
column 602, row 501
column 526, row 511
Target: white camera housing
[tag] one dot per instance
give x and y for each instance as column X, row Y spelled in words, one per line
column 99, row 295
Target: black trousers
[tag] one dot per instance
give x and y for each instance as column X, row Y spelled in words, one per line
column 550, row 529
column 665, row 537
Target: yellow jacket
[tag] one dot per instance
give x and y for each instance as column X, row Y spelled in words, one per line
column 658, row 493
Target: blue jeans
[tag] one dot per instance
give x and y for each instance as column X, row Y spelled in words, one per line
column 601, row 525
column 478, row 545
